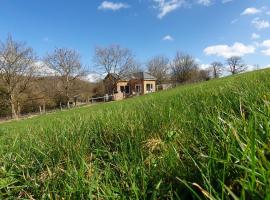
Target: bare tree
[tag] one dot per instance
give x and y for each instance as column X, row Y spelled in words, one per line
column 68, row 67
column 115, row 59
column 4, row 104
column 183, row 67
column 159, row 67
column 236, row 65
column 216, row 68
column 16, row 70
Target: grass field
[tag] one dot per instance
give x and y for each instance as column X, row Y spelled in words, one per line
column 208, row 140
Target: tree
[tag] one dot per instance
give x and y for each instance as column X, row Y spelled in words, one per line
column 16, row 71
column 183, row 67
column 216, row 68
column 158, row 67
column 236, row 65
column 99, row 89
column 67, row 66
column 115, row 59
column 4, row 104
column 205, row 74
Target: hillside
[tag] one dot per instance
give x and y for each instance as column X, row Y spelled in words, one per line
column 206, row 140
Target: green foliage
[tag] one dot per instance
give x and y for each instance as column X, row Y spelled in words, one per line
column 203, row 141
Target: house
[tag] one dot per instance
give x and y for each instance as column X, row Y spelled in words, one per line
column 139, row 83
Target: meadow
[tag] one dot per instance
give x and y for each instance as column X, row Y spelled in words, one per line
column 207, row 140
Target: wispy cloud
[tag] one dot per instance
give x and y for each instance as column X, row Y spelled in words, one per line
column 205, row 2
column 226, row 51
column 266, row 52
column 266, row 44
column 250, row 11
column 255, row 36
column 108, row 5
column 167, row 38
column 167, row 6
column 260, row 23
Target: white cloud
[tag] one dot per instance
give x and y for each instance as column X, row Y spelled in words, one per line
column 167, row 38
column 41, row 69
column 205, row 2
column 260, row 24
column 205, row 66
column 250, row 11
column 94, row 77
column 255, row 36
column 266, row 52
column 167, row 6
column 198, row 60
column 268, row 13
column 266, row 44
column 238, row 49
column 107, row 5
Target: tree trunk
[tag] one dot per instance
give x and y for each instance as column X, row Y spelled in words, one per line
column 13, row 111
column 18, row 109
column 67, row 91
column 12, row 106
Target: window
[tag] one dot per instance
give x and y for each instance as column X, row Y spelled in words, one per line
column 138, row 88
column 122, row 89
column 149, row 87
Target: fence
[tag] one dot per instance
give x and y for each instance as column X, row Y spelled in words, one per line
column 105, row 98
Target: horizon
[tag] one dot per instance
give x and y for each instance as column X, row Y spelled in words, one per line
column 209, row 30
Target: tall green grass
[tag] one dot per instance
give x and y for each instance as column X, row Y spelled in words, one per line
column 203, row 141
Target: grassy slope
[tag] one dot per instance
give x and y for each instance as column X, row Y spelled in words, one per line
column 215, row 134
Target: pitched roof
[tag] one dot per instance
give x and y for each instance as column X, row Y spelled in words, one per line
column 144, row 76
column 138, row 75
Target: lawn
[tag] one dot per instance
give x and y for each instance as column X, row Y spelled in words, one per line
column 208, row 140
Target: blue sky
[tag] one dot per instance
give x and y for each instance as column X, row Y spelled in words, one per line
column 208, row 29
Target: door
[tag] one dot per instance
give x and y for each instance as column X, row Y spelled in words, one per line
column 138, row 88
column 127, row 89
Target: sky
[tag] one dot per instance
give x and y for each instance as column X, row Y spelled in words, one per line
column 209, row 30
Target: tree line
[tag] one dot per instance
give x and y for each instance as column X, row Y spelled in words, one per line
column 185, row 69
column 25, row 88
